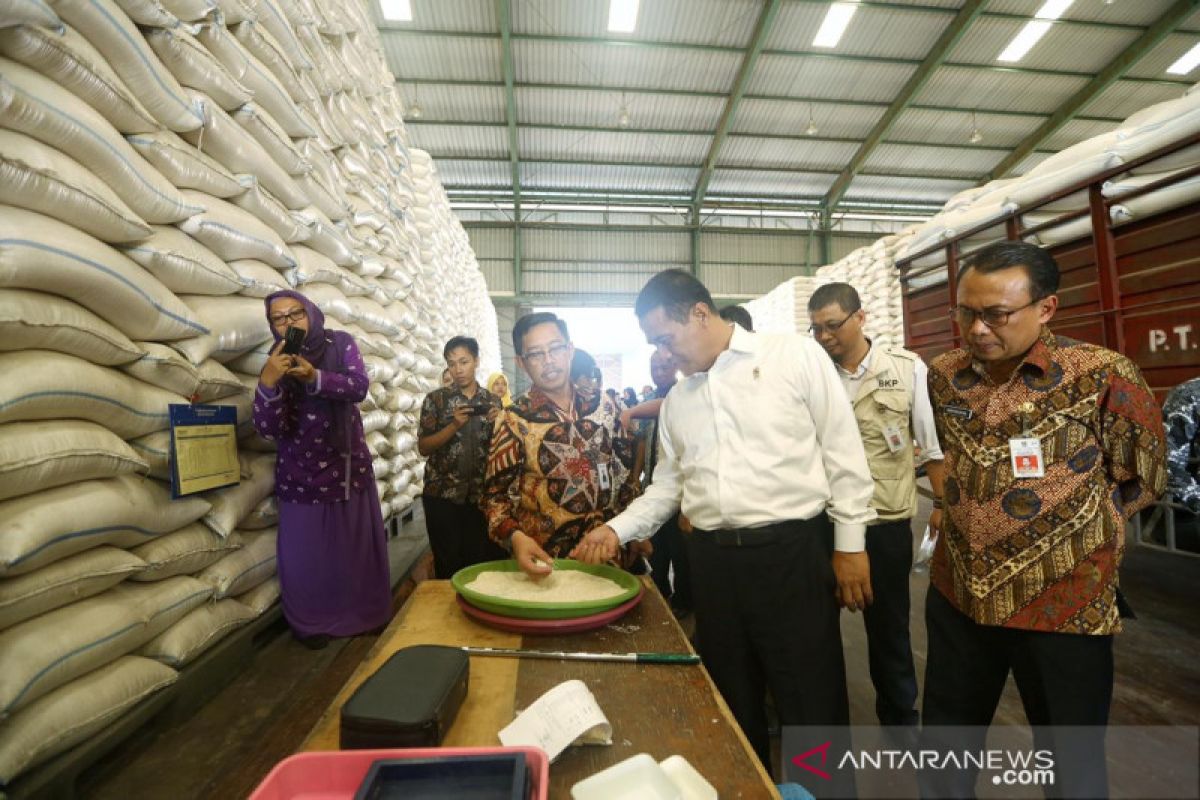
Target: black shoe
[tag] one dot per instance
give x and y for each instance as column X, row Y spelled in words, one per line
column 318, row 642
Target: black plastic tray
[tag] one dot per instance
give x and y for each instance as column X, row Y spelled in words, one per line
column 484, row 777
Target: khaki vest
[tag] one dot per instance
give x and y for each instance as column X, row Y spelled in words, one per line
column 885, row 398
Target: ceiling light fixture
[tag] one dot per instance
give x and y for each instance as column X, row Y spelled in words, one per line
column 837, row 18
column 1187, row 62
column 1034, row 30
column 811, row 130
column 396, row 10
column 976, row 135
column 622, row 15
column 623, row 117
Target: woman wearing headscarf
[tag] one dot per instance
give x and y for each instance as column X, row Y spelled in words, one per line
column 497, row 384
column 332, row 546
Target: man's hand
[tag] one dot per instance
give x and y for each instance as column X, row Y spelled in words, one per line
column 599, row 546
column 525, row 550
column 302, row 370
column 461, row 415
column 935, row 520
column 492, row 414
column 278, row 364
column 685, row 524
column 853, row 572
column 627, row 420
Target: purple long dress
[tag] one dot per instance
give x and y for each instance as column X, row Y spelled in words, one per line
column 332, row 546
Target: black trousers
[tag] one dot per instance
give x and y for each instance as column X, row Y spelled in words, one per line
column 766, row 616
column 1064, row 679
column 457, row 536
column 889, row 546
column 670, row 550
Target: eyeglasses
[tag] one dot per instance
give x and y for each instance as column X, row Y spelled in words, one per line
column 556, row 352
column 831, row 327
column 992, row 317
column 295, row 315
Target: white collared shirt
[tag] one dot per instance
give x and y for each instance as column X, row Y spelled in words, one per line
column 765, row 436
column 923, row 428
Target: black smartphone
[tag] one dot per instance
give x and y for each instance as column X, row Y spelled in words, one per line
column 479, row 411
column 293, row 340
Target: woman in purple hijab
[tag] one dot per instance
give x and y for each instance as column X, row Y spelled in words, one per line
column 332, row 550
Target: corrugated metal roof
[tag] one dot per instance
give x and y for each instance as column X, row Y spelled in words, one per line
column 491, row 243
column 967, row 88
column 873, row 31
column 538, row 143
column 478, row 174
column 572, row 107
column 459, row 103
column 794, row 185
column 943, row 127
column 1072, row 48
column 763, row 248
column 539, row 175
column 447, row 15
column 949, row 161
column 452, row 141
column 1154, row 64
column 794, row 76
column 1029, row 162
column 1123, row 98
column 869, row 187
column 1075, row 132
column 1136, row 12
column 602, row 64
column 795, row 154
column 588, row 245
column 720, row 22
column 418, row 57
column 791, row 116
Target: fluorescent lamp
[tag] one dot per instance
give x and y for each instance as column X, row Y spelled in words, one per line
column 1187, row 62
column 836, row 19
column 396, row 10
column 1024, row 41
column 1053, row 9
column 622, row 15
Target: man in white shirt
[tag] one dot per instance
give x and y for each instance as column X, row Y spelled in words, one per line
column 758, row 446
column 888, row 388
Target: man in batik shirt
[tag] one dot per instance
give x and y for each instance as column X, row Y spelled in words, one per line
column 1050, row 446
column 559, row 463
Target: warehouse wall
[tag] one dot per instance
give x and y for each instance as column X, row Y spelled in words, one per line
column 592, row 262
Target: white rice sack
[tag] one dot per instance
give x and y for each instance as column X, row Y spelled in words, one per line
column 233, row 233
column 165, row 368
column 331, row 301
column 149, row 13
column 190, row 10
column 258, row 279
column 184, row 165
column 374, row 317
column 202, row 628
column 312, row 267
column 37, row 177
column 239, row 152
column 263, row 205
column 264, row 515
column 118, row 39
column 267, row 132
column 48, row 651
column 195, row 67
column 155, row 450
column 35, row 456
column 237, row 324
column 34, row 105
column 28, row 12
column 268, row 91
column 41, row 528
column 252, row 362
column 328, row 239
column 235, row 11
column 60, row 386
column 267, row 49
column 327, row 199
column 183, row 264
column 73, row 63
column 275, row 18
column 216, row 382
column 67, row 581
column 38, row 321
column 183, row 552
column 163, row 603
column 261, row 597
column 1164, row 199
column 241, row 571
column 74, row 713
column 233, row 503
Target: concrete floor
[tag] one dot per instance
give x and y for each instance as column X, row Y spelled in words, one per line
column 226, row 747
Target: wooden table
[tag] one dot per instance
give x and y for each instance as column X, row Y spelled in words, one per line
column 657, row 709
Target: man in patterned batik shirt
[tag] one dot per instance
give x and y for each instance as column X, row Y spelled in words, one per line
column 1181, row 414
column 559, row 463
column 1050, row 446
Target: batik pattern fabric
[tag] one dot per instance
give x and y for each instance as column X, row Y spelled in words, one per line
column 1181, row 415
column 1042, row 553
column 454, row 472
column 546, row 471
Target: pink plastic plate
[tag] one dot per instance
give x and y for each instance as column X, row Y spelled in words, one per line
column 549, row 626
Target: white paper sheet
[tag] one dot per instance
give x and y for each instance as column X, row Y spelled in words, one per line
column 556, row 719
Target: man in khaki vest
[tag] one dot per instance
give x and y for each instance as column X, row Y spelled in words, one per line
column 888, row 388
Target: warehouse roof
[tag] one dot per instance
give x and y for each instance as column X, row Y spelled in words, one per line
column 726, row 102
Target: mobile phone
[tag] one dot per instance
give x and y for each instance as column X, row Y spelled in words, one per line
column 293, row 340
column 478, row 411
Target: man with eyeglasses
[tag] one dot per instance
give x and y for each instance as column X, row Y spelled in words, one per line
column 560, row 463
column 888, row 388
column 1051, row 444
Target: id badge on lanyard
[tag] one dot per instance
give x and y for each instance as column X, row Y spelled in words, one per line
column 1026, row 456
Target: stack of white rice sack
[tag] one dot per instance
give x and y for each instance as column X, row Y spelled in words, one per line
column 872, row 272
column 163, row 167
column 784, row 309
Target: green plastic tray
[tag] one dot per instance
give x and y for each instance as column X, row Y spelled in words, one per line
column 526, row 609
